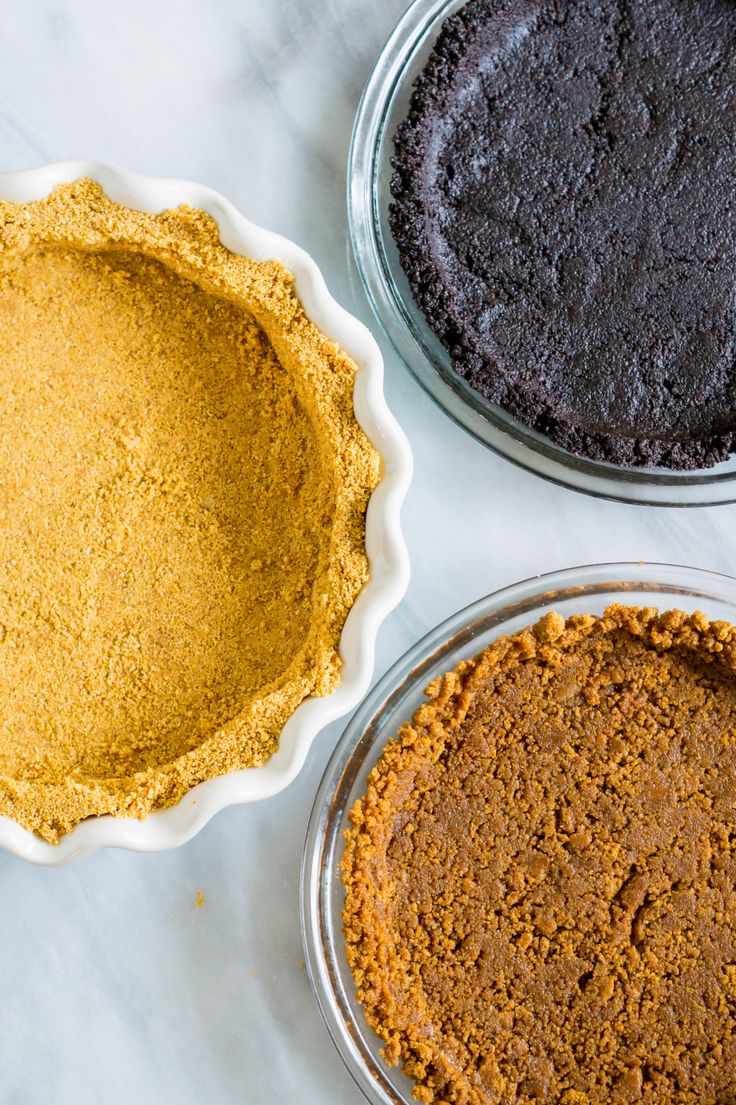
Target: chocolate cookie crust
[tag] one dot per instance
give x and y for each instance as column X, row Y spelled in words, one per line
column 540, row 879
column 565, row 212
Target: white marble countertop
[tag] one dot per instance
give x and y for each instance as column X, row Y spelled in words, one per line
column 115, row 987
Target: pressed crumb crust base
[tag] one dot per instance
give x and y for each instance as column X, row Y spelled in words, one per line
column 183, row 489
column 563, row 209
column 541, row 877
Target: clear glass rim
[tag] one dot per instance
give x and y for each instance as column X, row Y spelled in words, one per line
column 323, row 838
column 490, row 425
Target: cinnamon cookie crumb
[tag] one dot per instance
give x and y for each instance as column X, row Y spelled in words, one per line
column 540, row 901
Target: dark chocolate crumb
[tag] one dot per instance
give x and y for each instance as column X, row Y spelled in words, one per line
column 565, row 212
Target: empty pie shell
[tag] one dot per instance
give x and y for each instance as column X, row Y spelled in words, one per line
column 186, row 464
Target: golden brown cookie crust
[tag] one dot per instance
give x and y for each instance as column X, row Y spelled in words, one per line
column 183, row 487
column 541, row 877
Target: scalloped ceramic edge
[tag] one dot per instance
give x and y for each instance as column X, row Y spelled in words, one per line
column 387, row 555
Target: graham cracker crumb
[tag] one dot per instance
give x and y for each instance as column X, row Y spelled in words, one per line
column 183, row 487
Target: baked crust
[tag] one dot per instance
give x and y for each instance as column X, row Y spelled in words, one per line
column 540, row 877
column 184, row 487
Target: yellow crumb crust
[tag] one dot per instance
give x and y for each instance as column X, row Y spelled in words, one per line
column 183, row 487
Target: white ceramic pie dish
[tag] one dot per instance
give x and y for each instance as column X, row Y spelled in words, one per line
column 388, row 560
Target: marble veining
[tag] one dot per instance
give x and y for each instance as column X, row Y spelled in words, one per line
column 116, row 985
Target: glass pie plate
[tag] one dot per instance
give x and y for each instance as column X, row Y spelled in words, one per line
column 393, row 700
column 383, row 106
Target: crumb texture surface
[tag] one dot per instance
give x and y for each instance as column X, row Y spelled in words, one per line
column 565, row 211
column 541, row 877
column 182, row 495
